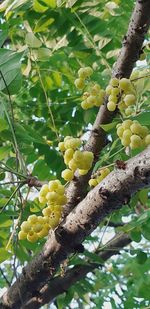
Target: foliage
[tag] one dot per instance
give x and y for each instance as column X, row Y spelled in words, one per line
column 43, row 45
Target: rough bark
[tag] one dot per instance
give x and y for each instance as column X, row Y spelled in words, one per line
column 130, row 51
column 114, row 191
column 60, row 284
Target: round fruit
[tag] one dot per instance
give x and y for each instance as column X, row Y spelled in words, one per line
column 73, row 165
column 79, row 83
column 85, row 105
column 32, row 237
column 127, row 134
column 109, row 90
column 93, row 182
column 136, row 128
column 124, row 84
column 67, row 174
column 88, row 71
column 120, row 131
column 147, row 140
column 136, row 142
column 125, row 141
column 130, row 99
column 25, row 226
column 114, row 82
column 32, row 219
column 126, row 124
column 91, row 100
column 111, row 106
column 61, row 146
column 37, row 227
column 52, row 197
column 22, row 235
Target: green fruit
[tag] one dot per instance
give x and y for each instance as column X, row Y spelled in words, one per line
column 120, row 131
column 126, row 124
column 93, row 182
column 109, row 90
column 130, row 99
column 136, row 142
column 114, row 82
column 113, row 98
column 124, row 84
column 128, row 111
column 79, row 83
column 147, row 140
column 136, row 128
column 85, row 105
column 91, row 100
column 127, row 134
column 125, row 141
column 111, row 106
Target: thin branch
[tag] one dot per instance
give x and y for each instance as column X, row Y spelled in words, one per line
column 10, row 198
column 11, row 122
column 3, row 274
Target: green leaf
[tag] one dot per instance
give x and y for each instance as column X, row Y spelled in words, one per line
column 3, row 36
column 3, row 124
column 4, row 255
column 135, row 235
column 141, row 257
column 143, row 118
column 32, row 41
column 143, row 196
column 10, row 69
column 4, row 152
column 109, row 126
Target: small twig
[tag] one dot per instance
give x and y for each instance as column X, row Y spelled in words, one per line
column 12, row 171
column 7, row 281
column 12, row 127
column 12, row 195
column 11, row 182
column 145, row 76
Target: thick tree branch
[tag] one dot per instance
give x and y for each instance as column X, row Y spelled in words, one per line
column 61, row 284
column 129, row 54
column 109, row 195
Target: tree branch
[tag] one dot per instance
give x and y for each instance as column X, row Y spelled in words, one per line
column 109, row 195
column 61, row 284
column 130, row 51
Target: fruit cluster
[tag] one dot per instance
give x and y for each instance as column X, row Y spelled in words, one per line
column 36, row 227
column 75, row 158
column 133, row 134
column 52, row 193
column 93, row 97
column 121, row 94
column 83, row 74
column 99, row 176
